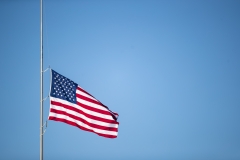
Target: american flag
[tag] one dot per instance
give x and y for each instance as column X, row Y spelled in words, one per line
column 71, row 104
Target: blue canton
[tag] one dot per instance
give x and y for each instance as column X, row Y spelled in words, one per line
column 63, row 88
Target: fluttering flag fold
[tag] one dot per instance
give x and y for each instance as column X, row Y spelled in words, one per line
column 71, row 104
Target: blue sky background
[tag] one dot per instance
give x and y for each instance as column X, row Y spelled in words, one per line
column 171, row 69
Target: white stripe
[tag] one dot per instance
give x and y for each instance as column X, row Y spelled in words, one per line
column 91, row 104
column 85, row 95
column 83, row 124
column 81, row 108
column 84, row 117
column 88, row 96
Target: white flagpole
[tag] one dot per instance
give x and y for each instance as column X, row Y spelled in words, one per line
column 41, row 80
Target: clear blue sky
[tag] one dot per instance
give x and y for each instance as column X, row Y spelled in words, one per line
column 171, row 69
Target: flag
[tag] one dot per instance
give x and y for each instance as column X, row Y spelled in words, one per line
column 71, row 104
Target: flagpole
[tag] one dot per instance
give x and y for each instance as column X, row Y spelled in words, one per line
column 41, row 80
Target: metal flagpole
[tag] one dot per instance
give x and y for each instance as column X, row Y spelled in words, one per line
column 41, row 80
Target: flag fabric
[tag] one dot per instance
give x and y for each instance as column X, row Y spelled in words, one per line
column 71, row 104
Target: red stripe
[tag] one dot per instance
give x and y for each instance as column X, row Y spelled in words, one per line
column 88, row 108
column 83, row 113
column 89, row 99
column 93, row 109
column 82, row 90
column 93, row 101
column 83, row 128
column 106, row 128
